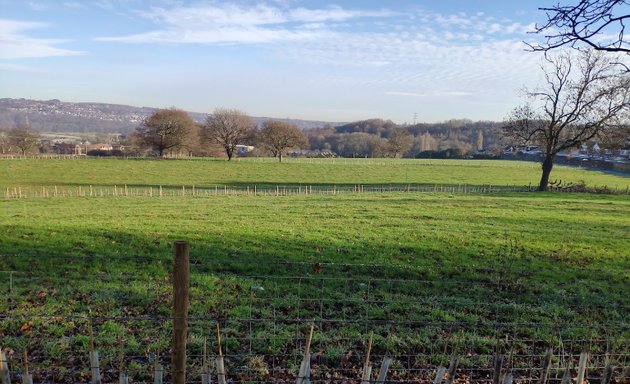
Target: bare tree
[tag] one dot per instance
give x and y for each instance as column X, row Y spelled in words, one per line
column 580, row 100
column 5, row 142
column 167, row 129
column 376, row 146
column 279, row 136
column 616, row 139
column 597, row 24
column 23, row 138
column 479, row 141
column 228, row 128
column 399, row 142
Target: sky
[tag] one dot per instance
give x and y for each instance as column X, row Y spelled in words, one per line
column 404, row 60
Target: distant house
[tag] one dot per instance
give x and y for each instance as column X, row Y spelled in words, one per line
column 244, row 149
column 118, row 147
column 68, row 149
column 101, row 147
column 596, row 148
column 530, row 150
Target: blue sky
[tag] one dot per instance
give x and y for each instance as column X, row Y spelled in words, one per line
column 320, row 60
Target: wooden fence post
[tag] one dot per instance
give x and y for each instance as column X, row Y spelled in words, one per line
column 181, row 271
column 5, row 376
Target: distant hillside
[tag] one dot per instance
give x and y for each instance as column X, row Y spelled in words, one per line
column 58, row 116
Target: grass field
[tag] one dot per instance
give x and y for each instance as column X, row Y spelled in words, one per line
column 441, row 268
column 254, row 171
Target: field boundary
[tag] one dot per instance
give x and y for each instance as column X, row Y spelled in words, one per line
column 19, row 192
column 323, row 323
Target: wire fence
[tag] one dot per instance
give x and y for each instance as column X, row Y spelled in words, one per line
column 422, row 319
column 253, row 190
column 19, row 192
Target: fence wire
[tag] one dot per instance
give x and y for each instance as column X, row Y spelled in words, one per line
column 265, row 309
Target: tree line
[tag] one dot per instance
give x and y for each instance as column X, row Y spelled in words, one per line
column 173, row 132
column 584, row 97
column 383, row 138
column 169, row 131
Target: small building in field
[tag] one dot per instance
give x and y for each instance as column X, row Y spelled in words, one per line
column 101, row 147
column 68, row 149
column 244, row 149
column 118, row 147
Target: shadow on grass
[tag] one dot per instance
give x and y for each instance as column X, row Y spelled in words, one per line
column 79, row 258
column 265, row 289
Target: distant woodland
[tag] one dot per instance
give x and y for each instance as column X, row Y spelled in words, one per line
column 367, row 138
column 383, row 138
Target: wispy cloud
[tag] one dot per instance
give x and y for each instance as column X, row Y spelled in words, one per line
column 74, row 5
column 401, row 52
column 37, row 6
column 456, row 93
column 235, row 23
column 404, row 94
column 455, row 56
column 15, row 44
column 18, row 68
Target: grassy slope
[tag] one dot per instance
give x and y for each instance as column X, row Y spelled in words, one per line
column 584, row 225
column 544, row 258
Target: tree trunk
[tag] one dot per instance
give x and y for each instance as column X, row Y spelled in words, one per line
column 229, row 154
column 547, row 165
column 280, row 156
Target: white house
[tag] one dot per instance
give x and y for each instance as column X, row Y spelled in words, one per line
column 244, row 149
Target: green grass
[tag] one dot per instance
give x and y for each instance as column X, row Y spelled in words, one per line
column 429, row 273
column 253, row 171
